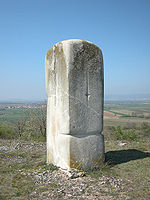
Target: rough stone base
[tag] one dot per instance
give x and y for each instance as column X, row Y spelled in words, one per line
column 84, row 152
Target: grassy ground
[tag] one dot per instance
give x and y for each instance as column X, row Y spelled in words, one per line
column 18, row 157
column 132, row 164
column 125, row 174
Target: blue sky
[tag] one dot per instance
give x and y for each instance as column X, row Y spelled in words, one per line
column 28, row 28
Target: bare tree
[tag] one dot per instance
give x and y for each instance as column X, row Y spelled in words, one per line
column 33, row 126
column 38, row 121
column 20, row 127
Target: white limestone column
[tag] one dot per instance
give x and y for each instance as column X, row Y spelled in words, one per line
column 75, row 89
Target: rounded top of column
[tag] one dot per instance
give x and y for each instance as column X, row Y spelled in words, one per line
column 71, row 44
column 75, row 41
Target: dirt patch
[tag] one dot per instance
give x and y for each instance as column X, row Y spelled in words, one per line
column 110, row 115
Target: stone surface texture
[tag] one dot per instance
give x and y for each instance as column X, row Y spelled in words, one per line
column 75, row 87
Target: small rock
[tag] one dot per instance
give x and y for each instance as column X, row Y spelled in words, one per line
column 121, row 144
column 81, row 174
column 74, row 175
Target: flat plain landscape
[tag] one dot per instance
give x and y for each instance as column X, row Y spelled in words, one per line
column 124, row 175
column 122, row 113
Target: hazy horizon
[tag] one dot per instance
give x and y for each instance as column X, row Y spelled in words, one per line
column 111, row 97
column 30, row 28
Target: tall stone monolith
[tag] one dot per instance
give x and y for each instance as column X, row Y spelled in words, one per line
column 75, row 87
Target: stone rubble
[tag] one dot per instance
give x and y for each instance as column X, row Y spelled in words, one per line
column 74, row 184
column 62, row 184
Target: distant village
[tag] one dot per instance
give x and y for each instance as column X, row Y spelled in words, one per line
column 22, row 106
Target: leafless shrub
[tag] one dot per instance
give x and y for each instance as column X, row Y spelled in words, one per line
column 34, row 125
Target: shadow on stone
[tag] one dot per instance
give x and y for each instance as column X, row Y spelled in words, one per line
column 123, row 156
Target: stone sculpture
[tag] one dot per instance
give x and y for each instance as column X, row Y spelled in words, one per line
column 75, row 87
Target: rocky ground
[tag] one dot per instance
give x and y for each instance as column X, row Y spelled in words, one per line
column 23, row 165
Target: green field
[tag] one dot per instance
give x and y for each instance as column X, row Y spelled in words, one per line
column 128, row 107
column 11, row 116
column 131, row 113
